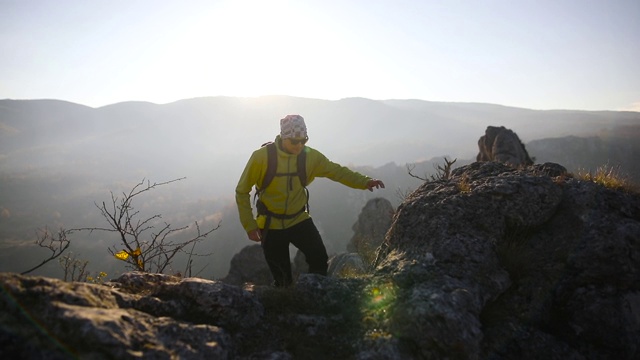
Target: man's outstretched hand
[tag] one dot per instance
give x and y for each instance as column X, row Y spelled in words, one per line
column 375, row 184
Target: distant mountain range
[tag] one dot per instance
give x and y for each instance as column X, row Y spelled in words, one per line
column 58, row 158
column 356, row 130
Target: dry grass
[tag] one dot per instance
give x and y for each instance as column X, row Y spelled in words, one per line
column 463, row 185
column 610, row 177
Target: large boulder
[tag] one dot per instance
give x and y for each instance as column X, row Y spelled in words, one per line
column 136, row 316
column 299, row 264
column 249, row 266
column 505, row 263
column 370, row 228
column 502, row 145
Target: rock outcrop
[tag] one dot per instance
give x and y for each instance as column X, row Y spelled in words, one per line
column 496, row 262
column 502, row 145
column 299, row 264
column 503, row 263
column 346, row 264
column 249, row 265
column 372, row 225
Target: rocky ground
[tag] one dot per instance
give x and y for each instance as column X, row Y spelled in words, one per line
column 494, row 262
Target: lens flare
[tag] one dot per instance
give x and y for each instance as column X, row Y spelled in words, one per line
column 379, row 300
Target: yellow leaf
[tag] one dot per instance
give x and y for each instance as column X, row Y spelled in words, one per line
column 122, row 255
column 137, row 252
column 140, row 263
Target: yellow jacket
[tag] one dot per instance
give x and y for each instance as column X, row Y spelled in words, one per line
column 286, row 195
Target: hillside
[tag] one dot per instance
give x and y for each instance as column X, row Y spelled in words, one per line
column 57, row 159
column 618, row 151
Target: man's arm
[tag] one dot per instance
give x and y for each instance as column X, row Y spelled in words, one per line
column 323, row 167
column 248, row 179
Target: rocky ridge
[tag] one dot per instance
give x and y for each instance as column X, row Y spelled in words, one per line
column 495, row 262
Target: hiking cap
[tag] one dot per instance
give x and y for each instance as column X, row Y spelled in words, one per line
column 293, row 126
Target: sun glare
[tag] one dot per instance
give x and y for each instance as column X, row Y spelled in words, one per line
column 255, row 48
column 244, row 48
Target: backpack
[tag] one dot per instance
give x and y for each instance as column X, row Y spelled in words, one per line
column 272, row 166
column 271, row 173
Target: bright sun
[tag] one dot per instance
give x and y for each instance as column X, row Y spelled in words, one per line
column 247, row 48
column 254, row 48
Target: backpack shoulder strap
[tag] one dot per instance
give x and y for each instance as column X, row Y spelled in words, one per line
column 302, row 168
column 272, row 165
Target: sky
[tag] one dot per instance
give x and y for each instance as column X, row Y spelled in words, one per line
column 537, row 54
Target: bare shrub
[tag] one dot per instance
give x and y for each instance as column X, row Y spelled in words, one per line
column 56, row 243
column 146, row 243
column 443, row 172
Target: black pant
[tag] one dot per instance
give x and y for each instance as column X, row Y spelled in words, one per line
column 304, row 236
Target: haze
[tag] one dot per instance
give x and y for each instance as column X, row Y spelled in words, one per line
column 161, row 90
column 538, row 54
column 58, row 159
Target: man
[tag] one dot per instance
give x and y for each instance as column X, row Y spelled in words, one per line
column 282, row 215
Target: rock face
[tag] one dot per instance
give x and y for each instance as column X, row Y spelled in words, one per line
column 502, row 145
column 504, row 263
column 50, row 319
column 372, row 225
column 299, row 264
column 249, row 265
column 346, row 264
column 493, row 263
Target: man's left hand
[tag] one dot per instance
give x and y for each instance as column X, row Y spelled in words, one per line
column 374, row 184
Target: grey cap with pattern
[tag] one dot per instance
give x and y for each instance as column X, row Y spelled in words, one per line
column 293, row 127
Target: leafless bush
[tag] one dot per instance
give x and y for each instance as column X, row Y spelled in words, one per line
column 74, row 268
column 410, row 168
column 442, row 172
column 152, row 253
column 56, row 243
column 402, row 195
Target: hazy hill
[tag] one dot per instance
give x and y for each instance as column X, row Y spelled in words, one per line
column 360, row 131
column 613, row 149
column 58, row 158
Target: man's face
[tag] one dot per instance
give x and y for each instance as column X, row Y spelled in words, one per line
column 294, row 146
